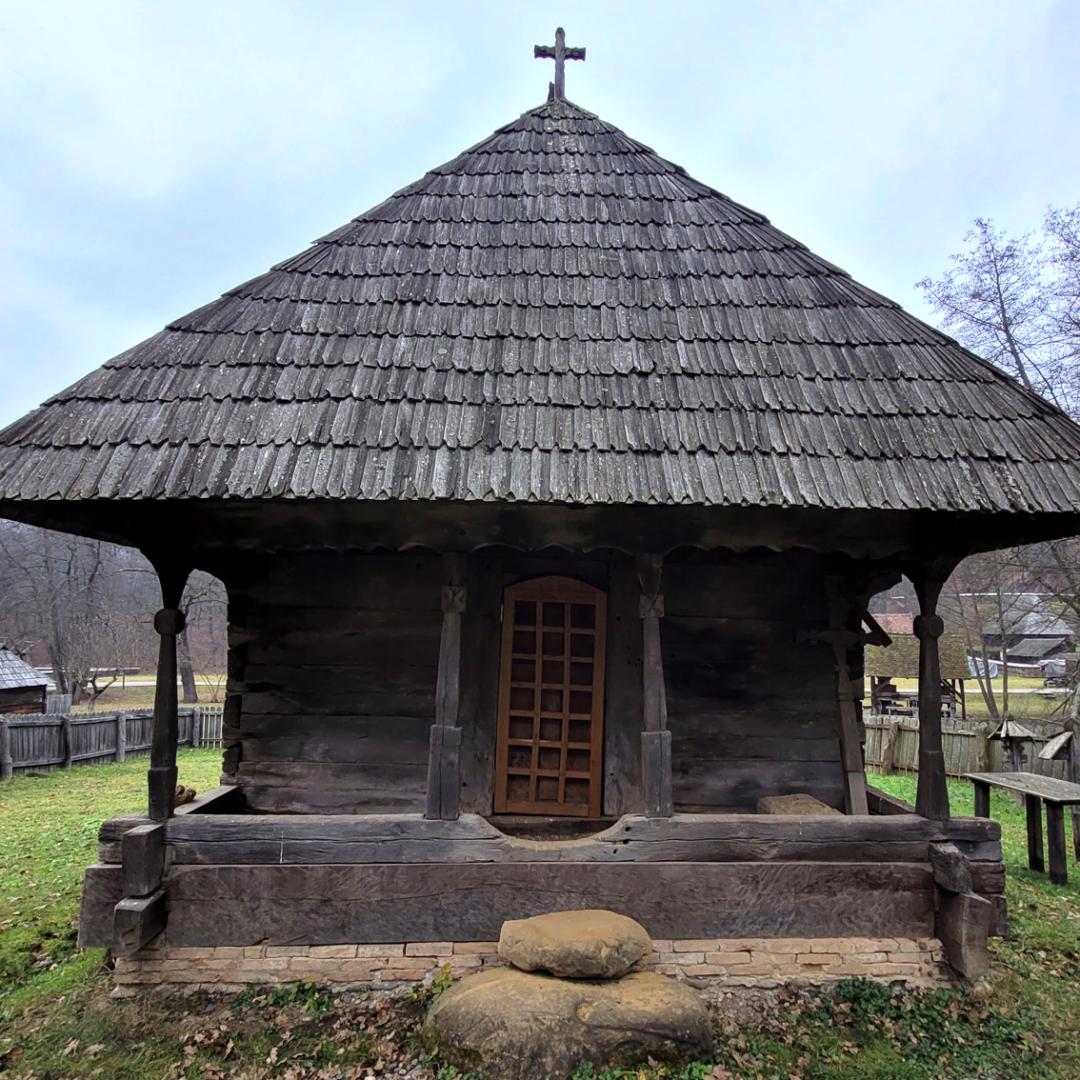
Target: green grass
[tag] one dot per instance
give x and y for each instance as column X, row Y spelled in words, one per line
column 56, row 1020
column 1032, row 705
column 48, row 836
column 1037, row 966
column 1016, row 682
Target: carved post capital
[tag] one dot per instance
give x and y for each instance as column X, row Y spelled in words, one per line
column 453, row 598
column 169, row 621
column 651, row 606
column 928, row 626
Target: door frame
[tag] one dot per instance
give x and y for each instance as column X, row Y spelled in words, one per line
column 566, row 590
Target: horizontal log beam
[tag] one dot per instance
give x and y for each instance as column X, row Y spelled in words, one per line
column 322, row 904
column 881, row 802
column 388, row 838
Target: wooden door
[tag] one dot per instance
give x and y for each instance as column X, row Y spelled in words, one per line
column 549, row 749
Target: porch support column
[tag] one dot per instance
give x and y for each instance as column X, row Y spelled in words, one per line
column 932, row 799
column 444, row 750
column 655, row 739
column 1072, row 767
column 843, row 636
column 165, row 725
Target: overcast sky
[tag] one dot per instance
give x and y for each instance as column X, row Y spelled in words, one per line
column 153, row 155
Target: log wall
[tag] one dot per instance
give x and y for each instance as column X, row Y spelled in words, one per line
column 334, row 658
column 751, row 705
column 335, row 672
column 22, row 699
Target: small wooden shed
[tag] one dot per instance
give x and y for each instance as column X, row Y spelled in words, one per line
column 22, row 688
column 900, row 660
column 554, row 487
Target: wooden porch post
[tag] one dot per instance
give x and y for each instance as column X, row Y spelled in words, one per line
column 165, row 725
column 7, row 766
column 1072, row 763
column 843, row 636
column 444, row 751
column 932, row 799
column 656, row 738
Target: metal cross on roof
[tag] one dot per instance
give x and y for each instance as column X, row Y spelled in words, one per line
column 559, row 54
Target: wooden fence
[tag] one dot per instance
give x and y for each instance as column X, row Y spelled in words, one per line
column 40, row 743
column 893, row 746
column 57, row 742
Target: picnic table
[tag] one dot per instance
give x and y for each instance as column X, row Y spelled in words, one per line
column 1037, row 790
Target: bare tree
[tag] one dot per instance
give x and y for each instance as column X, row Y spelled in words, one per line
column 1062, row 228
column 72, row 595
column 1015, row 300
column 90, row 604
column 988, row 597
column 202, row 645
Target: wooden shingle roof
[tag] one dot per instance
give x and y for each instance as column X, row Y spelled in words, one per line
column 16, row 673
column 900, row 660
column 556, row 315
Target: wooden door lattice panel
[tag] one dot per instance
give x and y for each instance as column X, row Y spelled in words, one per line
column 551, row 699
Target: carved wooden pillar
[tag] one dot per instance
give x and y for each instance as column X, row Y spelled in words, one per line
column 165, row 726
column 7, row 766
column 236, row 658
column 932, row 800
column 1071, row 754
column 444, row 751
column 844, row 636
column 655, row 739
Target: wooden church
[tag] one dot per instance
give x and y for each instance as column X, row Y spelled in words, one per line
column 549, row 495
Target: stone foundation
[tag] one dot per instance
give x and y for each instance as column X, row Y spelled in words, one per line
column 763, row 963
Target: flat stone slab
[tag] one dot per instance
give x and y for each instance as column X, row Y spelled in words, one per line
column 508, row 1024
column 794, row 805
column 589, row 944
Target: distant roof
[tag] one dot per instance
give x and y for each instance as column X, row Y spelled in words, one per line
column 896, row 622
column 16, row 672
column 556, row 315
column 900, row 660
column 1039, row 621
column 1035, row 648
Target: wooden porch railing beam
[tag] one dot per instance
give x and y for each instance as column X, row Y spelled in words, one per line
column 165, row 725
column 444, row 749
column 655, row 738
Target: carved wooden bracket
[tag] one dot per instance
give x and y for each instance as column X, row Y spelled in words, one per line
column 453, row 599
column 651, row 607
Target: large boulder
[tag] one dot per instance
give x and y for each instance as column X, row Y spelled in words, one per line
column 586, row 944
column 507, row 1024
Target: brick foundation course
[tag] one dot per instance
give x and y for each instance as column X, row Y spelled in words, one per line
column 763, row 963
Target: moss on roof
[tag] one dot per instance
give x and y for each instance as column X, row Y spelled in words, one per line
column 900, row 660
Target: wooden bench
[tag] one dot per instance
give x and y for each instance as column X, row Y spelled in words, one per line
column 1037, row 790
